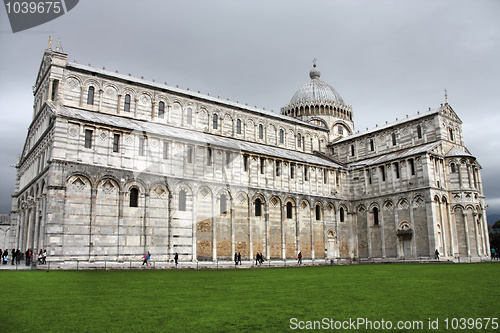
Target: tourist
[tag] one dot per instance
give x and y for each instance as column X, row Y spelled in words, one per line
column 146, row 258
column 257, row 258
column 176, row 258
column 27, row 257
column 40, row 257
column 13, row 252
column 44, row 257
column 261, row 258
column 299, row 257
column 436, row 254
column 239, row 258
column 18, row 256
column 492, row 253
column 235, row 258
column 5, row 256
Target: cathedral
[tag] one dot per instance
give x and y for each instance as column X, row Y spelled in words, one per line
column 114, row 166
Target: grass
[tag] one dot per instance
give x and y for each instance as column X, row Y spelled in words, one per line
column 262, row 299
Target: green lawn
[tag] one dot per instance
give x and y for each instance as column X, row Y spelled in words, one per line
column 263, row 299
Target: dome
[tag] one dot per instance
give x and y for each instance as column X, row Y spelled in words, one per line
column 316, row 91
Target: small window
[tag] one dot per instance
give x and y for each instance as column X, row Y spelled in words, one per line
column 396, row 168
column 189, row 155
column 306, row 173
column 412, row 166
column 340, row 130
column 161, row 110
column 261, row 131
column 238, row 126
column 325, row 176
column 353, row 150
column 182, row 201
column 382, row 172
column 289, row 210
column 375, row 216
column 394, row 139
column 116, row 143
column 55, row 85
column 262, row 165
column 223, row 204
column 282, row 136
column 318, row 213
column 245, row 163
column 299, row 140
column 215, row 121
column 258, row 207
column 341, row 214
column 126, row 106
column 228, row 158
column 209, row 156
column 419, row 132
column 292, row 171
column 189, row 116
column 453, row 168
column 165, row 150
column 141, row 146
column 90, row 96
column 372, row 145
column 452, row 138
column 88, row 138
column 369, row 173
column 278, row 168
column 134, row 197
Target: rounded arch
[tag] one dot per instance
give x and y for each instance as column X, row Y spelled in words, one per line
column 82, row 175
column 92, row 82
column 104, row 179
column 374, row 205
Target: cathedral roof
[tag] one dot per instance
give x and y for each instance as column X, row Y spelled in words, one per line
column 457, row 152
column 316, row 91
column 195, row 137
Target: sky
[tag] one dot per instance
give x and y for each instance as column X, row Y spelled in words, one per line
column 387, row 59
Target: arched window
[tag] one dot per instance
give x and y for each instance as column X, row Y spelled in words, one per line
column 394, row 139
column 299, row 140
column 258, row 207
column 90, row 96
column 282, row 136
column 182, row 201
column 341, row 213
column 161, row 109
column 372, row 145
column 375, row 216
column 419, row 132
column 261, row 131
column 223, row 204
column 126, row 106
column 189, row 116
column 340, row 130
column 352, row 150
column 215, row 121
column 289, row 210
column 238, row 126
column 318, row 213
column 451, row 134
column 453, row 168
column 134, row 197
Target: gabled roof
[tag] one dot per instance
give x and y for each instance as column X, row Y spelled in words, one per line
column 195, row 137
column 457, row 152
column 395, row 155
column 393, row 124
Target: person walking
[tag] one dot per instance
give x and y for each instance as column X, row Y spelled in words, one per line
column 299, row 257
column 176, row 258
column 239, row 258
column 436, row 253
column 235, row 258
column 13, row 253
column 146, row 258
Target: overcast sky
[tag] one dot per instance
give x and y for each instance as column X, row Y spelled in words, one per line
column 385, row 58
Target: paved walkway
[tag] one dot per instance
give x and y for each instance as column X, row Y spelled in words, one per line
column 128, row 265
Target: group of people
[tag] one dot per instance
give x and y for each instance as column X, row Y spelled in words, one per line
column 147, row 257
column 237, row 258
column 259, row 258
column 15, row 256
